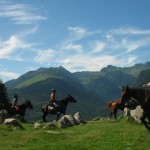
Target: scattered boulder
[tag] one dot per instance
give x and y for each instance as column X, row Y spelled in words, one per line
column 38, row 125
column 69, row 120
column 3, row 115
column 12, row 122
column 79, row 118
column 65, row 121
column 137, row 113
column 126, row 112
column 50, row 125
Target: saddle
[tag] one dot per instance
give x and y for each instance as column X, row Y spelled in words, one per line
column 50, row 107
column 16, row 108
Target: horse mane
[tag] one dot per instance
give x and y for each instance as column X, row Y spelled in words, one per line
column 140, row 89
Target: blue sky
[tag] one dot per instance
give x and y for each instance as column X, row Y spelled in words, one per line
column 80, row 35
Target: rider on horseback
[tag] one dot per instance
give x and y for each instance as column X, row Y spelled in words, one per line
column 15, row 103
column 53, row 101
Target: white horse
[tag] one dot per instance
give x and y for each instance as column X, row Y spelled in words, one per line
column 146, row 84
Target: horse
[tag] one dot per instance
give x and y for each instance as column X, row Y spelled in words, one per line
column 143, row 97
column 61, row 109
column 113, row 107
column 21, row 109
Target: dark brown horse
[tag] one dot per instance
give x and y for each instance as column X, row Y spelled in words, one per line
column 113, row 107
column 21, row 109
column 62, row 106
column 143, row 97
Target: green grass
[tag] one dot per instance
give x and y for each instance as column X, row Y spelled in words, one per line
column 95, row 135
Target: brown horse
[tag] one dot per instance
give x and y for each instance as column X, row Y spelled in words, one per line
column 21, row 109
column 113, row 107
column 62, row 106
column 143, row 97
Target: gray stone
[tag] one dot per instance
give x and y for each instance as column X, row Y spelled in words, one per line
column 3, row 115
column 13, row 122
column 126, row 112
column 78, row 118
column 50, row 125
column 137, row 113
column 37, row 125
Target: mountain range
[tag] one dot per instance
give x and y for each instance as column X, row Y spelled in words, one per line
column 92, row 90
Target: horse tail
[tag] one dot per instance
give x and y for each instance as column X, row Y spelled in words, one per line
column 108, row 105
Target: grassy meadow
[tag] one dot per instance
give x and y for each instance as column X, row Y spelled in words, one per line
column 94, row 135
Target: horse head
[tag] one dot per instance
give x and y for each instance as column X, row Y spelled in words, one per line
column 71, row 99
column 28, row 104
column 125, row 96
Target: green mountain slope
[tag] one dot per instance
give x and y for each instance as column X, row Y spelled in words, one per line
column 91, row 89
column 36, row 85
column 142, row 78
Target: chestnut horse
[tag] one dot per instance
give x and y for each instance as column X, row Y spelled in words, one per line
column 143, row 97
column 113, row 107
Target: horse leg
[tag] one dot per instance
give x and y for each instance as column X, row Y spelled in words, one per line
column 58, row 115
column 110, row 116
column 44, row 117
column 146, row 124
column 115, row 113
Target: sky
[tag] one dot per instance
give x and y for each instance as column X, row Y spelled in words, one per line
column 80, row 35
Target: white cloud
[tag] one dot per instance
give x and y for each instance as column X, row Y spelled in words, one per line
column 133, row 44
column 20, row 13
column 87, row 62
column 75, row 47
column 12, row 48
column 129, row 31
column 131, row 60
column 8, row 75
column 99, row 46
column 78, row 33
column 45, row 56
column 9, row 46
column 66, row 61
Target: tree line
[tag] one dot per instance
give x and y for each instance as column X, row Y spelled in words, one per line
column 4, row 100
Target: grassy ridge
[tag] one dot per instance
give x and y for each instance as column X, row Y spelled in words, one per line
column 95, row 135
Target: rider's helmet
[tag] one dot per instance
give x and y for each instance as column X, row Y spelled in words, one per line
column 16, row 96
column 53, row 90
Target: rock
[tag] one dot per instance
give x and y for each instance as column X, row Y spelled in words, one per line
column 37, row 125
column 137, row 113
column 126, row 112
column 78, row 118
column 50, row 125
column 69, row 120
column 12, row 122
column 64, row 122
column 3, row 115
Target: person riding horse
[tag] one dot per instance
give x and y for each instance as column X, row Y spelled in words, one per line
column 15, row 103
column 53, row 102
column 146, row 85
